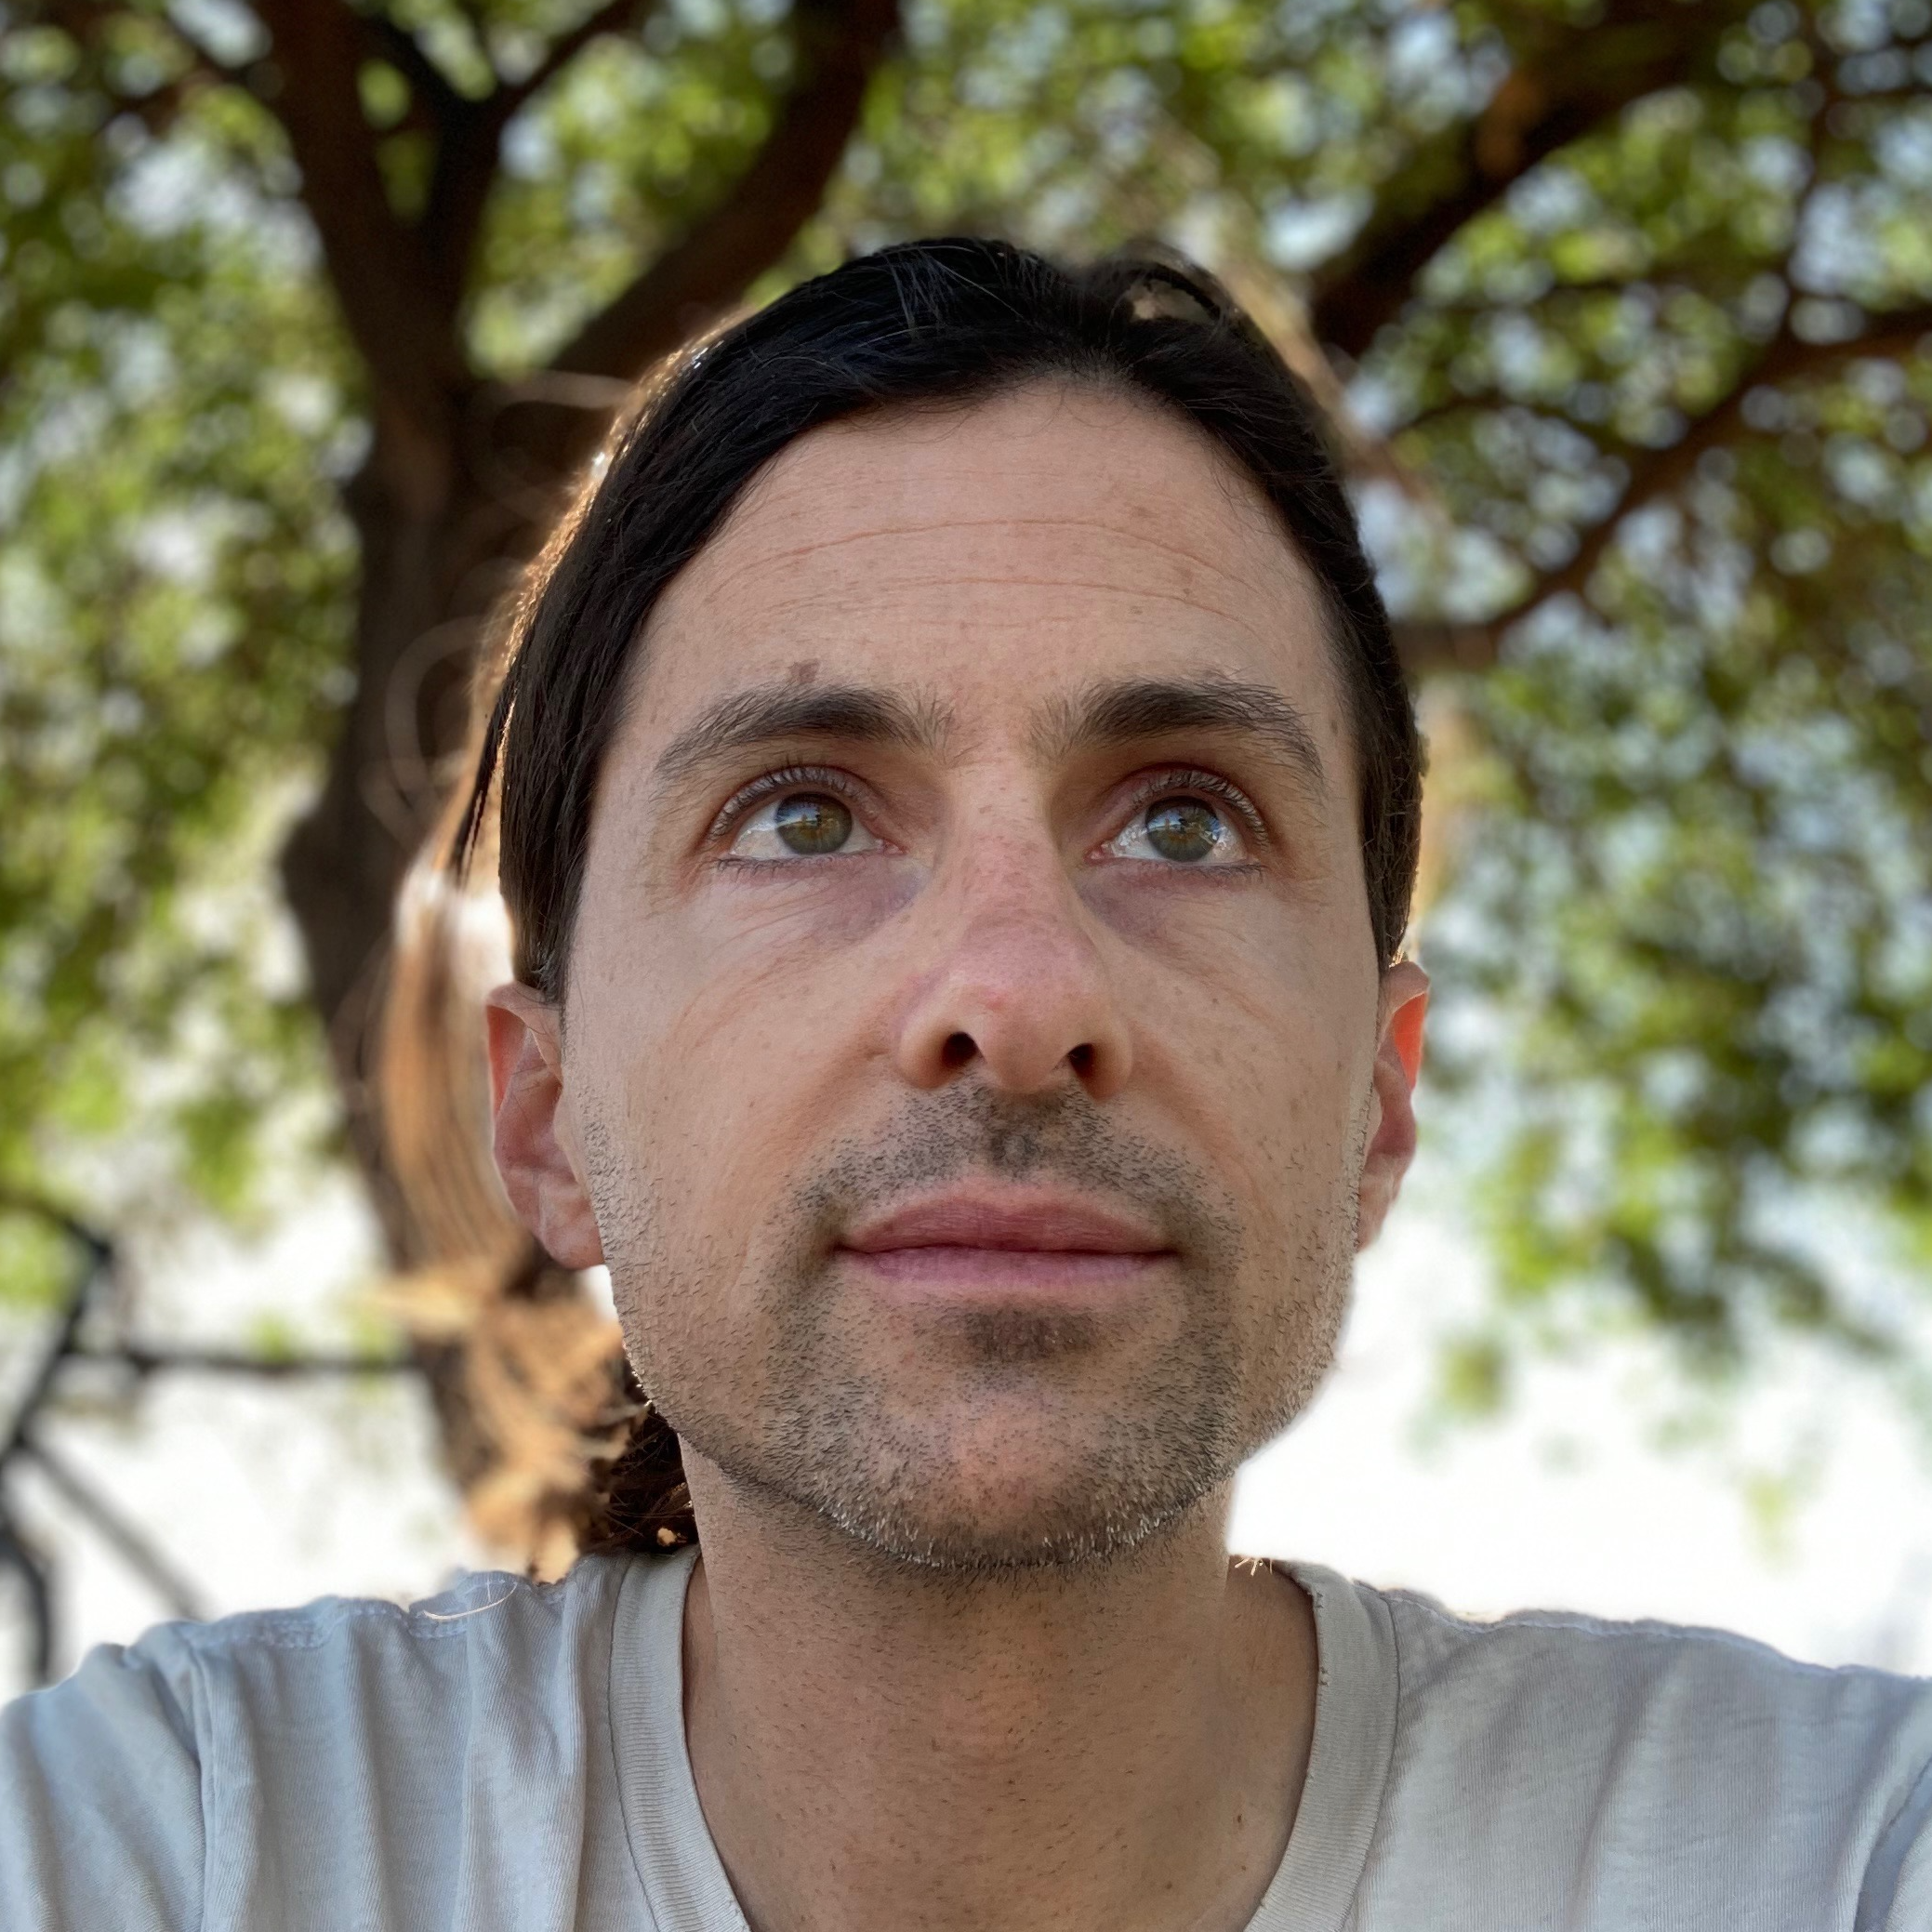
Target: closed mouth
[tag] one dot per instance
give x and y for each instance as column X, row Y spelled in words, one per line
column 1012, row 1239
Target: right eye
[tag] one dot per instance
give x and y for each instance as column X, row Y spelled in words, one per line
column 802, row 825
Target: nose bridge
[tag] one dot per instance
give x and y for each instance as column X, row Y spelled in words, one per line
column 1010, row 908
column 1016, row 982
column 1012, row 879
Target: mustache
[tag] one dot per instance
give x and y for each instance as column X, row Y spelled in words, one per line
column 968, row 1132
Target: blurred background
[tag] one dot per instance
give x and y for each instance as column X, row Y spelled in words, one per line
column 310, row 312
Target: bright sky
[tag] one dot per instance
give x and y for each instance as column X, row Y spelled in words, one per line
column 267, row 1494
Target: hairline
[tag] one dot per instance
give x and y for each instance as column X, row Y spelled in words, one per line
column 1236, row 478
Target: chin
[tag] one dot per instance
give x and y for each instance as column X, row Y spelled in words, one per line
column 1032, row 1489
column 968, row 1545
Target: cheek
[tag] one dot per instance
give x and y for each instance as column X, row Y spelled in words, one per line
column 717, row 1034
column 821, row 907
column 1255, row 1028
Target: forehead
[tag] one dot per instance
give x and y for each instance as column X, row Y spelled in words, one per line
column 995, row 558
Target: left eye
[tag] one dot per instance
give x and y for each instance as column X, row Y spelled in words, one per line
column 1177, row 832
column 802, row 824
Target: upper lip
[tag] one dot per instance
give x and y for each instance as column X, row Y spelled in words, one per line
column 1048, row 1222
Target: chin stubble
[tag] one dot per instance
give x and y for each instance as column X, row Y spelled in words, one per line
column 829, row 1434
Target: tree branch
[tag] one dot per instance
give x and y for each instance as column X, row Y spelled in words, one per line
column 614, row 16
column 402, row 324
column 1656, row 473
column 81, row 21
column 147, row 1361
column 469, row 133
column 1574, row 81
column 405, row 53
column 1497, row 402
column 840, row 42
column 400, row 313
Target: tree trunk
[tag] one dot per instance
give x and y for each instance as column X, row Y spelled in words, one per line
column 525, row 1374
column 345, row 860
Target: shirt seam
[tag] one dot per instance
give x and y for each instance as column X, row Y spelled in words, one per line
column 273, row 1631
column 211, row 1760
column 1920, row 1778
column 1388, row 1773
column 1881, row 1844
column 1670, row 1636
column 1327, row 1591
column 610, row 1718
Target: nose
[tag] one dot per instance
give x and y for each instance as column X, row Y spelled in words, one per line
column 1016, row 989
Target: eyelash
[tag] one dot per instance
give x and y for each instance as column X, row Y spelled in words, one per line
column 786, row 778
column 1155, row 784
column 1160, row 784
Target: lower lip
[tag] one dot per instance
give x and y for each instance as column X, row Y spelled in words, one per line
column 1003, row 1273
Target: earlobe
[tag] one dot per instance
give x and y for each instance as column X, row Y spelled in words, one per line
column 531, row 1139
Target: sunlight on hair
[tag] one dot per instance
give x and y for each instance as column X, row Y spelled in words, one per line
column 479, row 921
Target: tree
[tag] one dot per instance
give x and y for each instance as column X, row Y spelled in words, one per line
column 314, row 308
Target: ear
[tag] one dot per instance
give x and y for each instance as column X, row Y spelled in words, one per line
column 1398, row 1061
column 534, row 1141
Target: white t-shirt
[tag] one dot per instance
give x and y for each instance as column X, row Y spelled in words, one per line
column 510, row 1757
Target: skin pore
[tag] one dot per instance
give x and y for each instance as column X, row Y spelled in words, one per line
column 978, row 1074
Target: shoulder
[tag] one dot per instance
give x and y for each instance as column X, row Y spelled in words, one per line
column 1681, row 1751
column 414, row 1687
column 121, row 1787
column 479, row 1611
column 1704, row 1686
column 482, row 1620
column 174, row 1683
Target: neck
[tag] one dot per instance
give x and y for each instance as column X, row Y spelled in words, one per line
column 1118, row 1744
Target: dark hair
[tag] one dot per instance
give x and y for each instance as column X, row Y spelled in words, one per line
column 924, row 322
column 921, row 324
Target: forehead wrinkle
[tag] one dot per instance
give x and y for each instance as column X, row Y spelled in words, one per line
column 763, row 527
column 1139, row 539
column 1131, row 593
column 806, row 605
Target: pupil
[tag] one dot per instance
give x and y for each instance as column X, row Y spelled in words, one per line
column 1183, row 830
column 812, row 823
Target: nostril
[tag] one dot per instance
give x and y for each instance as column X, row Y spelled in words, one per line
column 958, row 1049
column 1081, row 1060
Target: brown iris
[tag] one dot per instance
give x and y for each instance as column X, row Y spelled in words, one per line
column 1184, row 830
column 811, row 823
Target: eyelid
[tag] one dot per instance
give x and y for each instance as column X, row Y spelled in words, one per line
column 789, row 778
column 1160, row 783
column 1189, row 778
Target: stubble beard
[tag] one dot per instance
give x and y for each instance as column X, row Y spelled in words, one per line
column 830, row 1435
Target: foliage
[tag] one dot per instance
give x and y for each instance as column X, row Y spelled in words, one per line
column 1698, row 901
column 172, row 601
column 1626, row 299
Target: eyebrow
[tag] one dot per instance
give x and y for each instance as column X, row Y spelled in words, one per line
column 1134, row 708
column 773, row 711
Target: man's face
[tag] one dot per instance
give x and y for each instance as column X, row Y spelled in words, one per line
column 975, row 1040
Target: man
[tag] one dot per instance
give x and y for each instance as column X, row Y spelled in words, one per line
column 958, row 812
